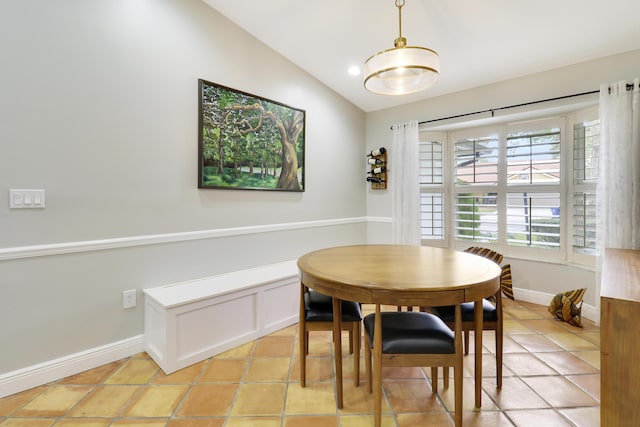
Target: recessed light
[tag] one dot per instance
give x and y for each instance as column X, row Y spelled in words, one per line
column 354, row 70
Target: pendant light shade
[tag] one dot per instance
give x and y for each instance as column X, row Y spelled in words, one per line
column 403, row 69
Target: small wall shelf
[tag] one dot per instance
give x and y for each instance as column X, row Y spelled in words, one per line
column 377, row 174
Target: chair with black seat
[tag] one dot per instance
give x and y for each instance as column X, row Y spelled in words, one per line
column 409, row 339
column 492, row 319
column 316, row 314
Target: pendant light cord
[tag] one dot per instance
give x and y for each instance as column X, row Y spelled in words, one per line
column 399, row 4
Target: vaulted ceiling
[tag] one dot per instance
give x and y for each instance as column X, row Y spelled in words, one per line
column 479, row 42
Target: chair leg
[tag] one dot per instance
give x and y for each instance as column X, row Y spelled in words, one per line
column 434, row 379
column 306, row 342
column 303, row 337
column 445, row 376
column 377, row 367
column 367, row 362
column 457, row 379
column 304, row 348
column 499, row 345
column 351, row 341
column 466, row 342
column 355, row 343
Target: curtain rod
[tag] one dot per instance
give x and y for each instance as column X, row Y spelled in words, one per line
column 493, row 110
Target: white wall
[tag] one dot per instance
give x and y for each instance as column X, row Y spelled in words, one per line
column 99, row 108
column 578, row 78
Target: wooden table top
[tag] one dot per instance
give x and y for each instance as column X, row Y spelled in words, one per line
column 399, row 274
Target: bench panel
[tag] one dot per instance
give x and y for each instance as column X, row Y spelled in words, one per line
column 224, row 312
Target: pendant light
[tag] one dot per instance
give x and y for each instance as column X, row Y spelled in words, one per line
column 403, row 69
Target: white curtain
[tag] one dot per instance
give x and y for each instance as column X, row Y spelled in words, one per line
column 618, row 195
column 405, row 190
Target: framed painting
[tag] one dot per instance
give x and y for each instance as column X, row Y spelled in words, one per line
column 247, row 142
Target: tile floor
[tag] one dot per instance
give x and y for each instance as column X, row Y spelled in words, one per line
column 551, row 379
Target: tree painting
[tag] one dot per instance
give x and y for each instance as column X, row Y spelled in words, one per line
column 248, row 142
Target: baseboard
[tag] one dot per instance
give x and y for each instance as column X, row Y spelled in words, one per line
column 53, row 370
column 542, row 298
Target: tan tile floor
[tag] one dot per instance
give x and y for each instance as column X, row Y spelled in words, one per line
column 551, row 378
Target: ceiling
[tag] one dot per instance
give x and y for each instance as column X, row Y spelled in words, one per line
column 479, row 42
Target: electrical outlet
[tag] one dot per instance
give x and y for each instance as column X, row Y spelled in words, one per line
column 129, row 298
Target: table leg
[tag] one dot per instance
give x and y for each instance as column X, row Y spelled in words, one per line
column 337, row 343
column 478, row 352
column 377, row 368
column 303, row 339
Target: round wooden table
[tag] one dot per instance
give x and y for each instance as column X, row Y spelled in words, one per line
column 403, row 276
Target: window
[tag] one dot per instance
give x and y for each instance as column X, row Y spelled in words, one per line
column 586, row 142
column 533, row 157
column 431, row 216
column 431, row 189
column 533, row 220
column 533, row 168
column 477, row 161
column 584, row 222
column 476, row 217
column 476, row 157
column 520, row 188
column 431, row 163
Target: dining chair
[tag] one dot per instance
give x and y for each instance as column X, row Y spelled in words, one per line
column 316, row 314
column 492, row 318
column 409, row 339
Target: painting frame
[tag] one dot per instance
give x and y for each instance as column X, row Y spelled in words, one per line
column 248, row 142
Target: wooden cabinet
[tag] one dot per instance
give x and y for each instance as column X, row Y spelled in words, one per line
column 620, row 339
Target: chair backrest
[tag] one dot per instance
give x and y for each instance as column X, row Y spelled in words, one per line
column 414, row 340
column 486, row 253
column 506, row 283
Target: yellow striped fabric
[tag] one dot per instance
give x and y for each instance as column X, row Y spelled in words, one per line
column 486, row 253
column 567, row 306
column 506, row 283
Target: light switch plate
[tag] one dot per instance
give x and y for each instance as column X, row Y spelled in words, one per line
column 26, row 199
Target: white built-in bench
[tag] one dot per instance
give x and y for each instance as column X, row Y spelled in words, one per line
column 191, row 321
